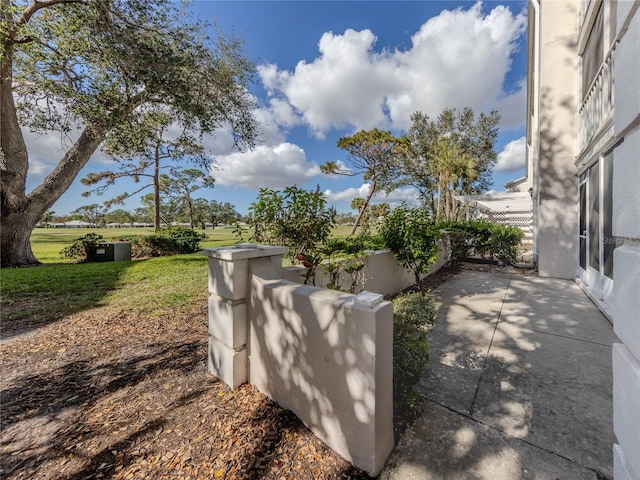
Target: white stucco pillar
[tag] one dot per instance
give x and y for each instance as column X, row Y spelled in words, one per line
column 228, row 292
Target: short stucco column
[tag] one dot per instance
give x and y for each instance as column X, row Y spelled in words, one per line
column 228, row 293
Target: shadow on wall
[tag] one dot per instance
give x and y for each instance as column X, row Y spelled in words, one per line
column 538, row 377
column 557, row 216
column 329, row 360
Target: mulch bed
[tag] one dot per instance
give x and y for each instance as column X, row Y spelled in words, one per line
column 105, row 394
column 109, row 394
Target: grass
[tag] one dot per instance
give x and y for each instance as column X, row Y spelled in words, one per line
column 151, row 286
column 48, row 242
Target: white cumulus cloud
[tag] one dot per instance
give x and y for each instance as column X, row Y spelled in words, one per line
column 512, row 156
column 457, row 59
column 265, row 166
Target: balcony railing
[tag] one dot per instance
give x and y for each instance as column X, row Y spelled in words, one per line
column 597, row 105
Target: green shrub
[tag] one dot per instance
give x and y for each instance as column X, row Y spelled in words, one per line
column 482, row 238
column 413, row 237
column 413, row 316
column 168, row 241
column 293, row 217
column 78, row 249
column 504, row 242
column 184, row 240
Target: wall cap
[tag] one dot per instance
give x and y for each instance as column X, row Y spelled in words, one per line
column 243, row 252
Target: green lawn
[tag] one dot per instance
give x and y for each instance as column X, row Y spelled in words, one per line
column 57, row 289
column 48, row 242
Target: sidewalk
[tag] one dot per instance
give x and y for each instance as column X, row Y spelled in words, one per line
column 518, row 385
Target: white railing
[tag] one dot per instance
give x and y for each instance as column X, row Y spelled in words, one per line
column 597, row 105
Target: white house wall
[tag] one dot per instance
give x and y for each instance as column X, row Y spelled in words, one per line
column 556, row 186
column 626, row 226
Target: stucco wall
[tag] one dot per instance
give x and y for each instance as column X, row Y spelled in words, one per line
column 329, row 360
column 381, row 274
column 325, row 355
column 556, row 186
column 626, row 260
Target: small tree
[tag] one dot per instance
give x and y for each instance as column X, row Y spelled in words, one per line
column 413, row 238
column 294, row 217
column 452, row 155
column 47, row 218
column 90, row 213
column 182, row 183
column 371, row 154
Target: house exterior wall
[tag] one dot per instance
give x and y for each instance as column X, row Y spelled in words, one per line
column 602, row 87
column 626, row 228
column 552, row 133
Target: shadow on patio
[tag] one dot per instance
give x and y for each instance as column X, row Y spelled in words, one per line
column 518, row 386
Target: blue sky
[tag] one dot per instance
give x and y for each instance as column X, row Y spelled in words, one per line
column 328, row 69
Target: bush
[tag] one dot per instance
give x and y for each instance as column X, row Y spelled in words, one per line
column 413, row 238
column 504, row 242
column 413, row 315
column 294, row 217
column 79, row 248
column 183, row 240
column 168, row 241
column 482, row 238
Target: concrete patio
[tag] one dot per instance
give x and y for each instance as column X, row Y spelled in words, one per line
column 518, row 386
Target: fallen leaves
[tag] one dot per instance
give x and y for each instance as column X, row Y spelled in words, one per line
column 104, row 394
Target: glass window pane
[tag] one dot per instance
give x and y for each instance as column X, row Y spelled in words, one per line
column 593, row 52
column 583, row 226
column 607, row 216
column 594, row 217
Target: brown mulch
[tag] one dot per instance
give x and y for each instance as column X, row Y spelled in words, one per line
column 105, row 394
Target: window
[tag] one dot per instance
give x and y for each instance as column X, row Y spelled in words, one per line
column 609, row 242
column 594, row 217
column 583, row 225
column 592, row 56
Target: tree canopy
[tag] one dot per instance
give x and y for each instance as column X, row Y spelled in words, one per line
column 93, row 70
column 450, row 156
column 371, row 153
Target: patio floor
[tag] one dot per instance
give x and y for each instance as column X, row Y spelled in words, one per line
column 518, row 385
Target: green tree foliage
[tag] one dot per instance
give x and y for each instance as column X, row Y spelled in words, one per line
column 119, row 216
column 412, row 236
column 94, row 70
column 379, row 211
column 181, row 184
column 453, row 155
column 373, row 154
column 294, row 217
column 47, row 218
column 93, row 214
column 142, row 152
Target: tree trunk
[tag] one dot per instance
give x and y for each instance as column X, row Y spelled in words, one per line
column 15, row 237
column 364, row 207
column 190, row 205
column 19, row 212
column 156, row 189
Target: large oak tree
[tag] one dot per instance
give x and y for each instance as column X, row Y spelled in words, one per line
column 91, row 69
